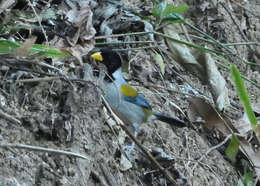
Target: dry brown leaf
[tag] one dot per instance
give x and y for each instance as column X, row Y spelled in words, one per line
column 202, row 110
column 215, row 80
column 83, row 20
column 202, row 66
column 24, row 49
column 82, row 42
column 181, row 53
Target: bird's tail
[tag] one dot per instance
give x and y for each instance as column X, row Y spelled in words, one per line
column 169, row 120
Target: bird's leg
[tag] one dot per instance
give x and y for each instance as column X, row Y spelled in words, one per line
column 128, row 149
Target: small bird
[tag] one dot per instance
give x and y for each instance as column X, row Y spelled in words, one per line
column 125, row 101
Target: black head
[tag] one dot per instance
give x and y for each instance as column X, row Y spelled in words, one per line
column 109, row 58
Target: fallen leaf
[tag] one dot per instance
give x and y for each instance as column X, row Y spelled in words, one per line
column 201, row 110
column 181, row 53
column 202, row 65
column 24, row 49
column 215, row 80
column 159, row 61
column 125, row 164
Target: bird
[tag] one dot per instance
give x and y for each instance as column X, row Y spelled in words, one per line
column 125, row 101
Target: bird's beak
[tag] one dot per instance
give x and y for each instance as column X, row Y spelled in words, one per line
column 97, row 56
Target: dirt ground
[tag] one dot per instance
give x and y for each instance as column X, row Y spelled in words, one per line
column 70, row 115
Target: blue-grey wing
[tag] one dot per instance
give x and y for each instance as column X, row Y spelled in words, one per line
column 138, row 100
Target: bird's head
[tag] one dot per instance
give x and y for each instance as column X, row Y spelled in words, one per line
column 109, row 58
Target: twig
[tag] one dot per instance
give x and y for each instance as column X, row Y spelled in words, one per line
column 234, row 21
column 148, row 154
column 187, row 43
column 202, row 39
column 139, row 48
column 242, row 6
column 124, row 42
column 38, row 79
column 121, row 35
column 39, row 21
column 211, row 149
column 242, row 43
column 43, row 149
column 208, row 36
column 9, row 118
column 184, row 29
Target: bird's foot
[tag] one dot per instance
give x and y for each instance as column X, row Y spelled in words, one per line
column 127, row 151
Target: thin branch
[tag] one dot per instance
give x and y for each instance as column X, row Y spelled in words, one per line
column 242, row 43
column 38, row 79
column 124, row 43
column 187, row 43
column 43, row 149
column 39, row 21
column 9, row 118
column 121, row 35
column 211, row 149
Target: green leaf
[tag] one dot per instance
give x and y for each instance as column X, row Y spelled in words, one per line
column 232, row 148
column 174, row 18
column 243, row 96
column 159, row 61
column 170, row 9
column 246, row 180
column 48, row 52
column 9, row 46
column 14, row 28
column 158, row 11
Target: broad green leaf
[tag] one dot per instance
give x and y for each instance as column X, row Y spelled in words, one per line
column 232, row 148
column 7, row 46
column 170, row 9
column 243, row 96
column 48, row 51
column 158, row 11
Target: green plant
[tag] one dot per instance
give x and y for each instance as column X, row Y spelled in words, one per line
column 7, row 46
column 164, row 11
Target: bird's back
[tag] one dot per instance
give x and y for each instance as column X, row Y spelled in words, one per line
column 128, row 112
